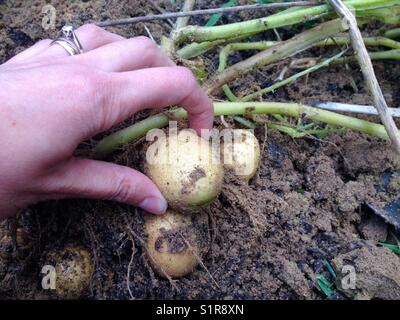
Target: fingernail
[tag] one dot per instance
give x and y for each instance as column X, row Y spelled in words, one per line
column 154, row 205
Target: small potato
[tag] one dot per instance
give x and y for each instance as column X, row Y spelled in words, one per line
column 168, row 236
column 241, row 153
column 186, row 169
column 74, row 268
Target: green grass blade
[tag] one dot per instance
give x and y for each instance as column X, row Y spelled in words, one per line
column 394, row 247
column 325, row 286
column 215, row 17
column 330, row 269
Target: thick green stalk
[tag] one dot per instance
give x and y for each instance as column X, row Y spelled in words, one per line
column 200, row 34
column 135, row 131
column 394, row 33
column 139, row 129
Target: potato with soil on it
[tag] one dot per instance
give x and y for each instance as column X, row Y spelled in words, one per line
column 241, row 153
column 74, row 268
column 186, row 169
column 175, row 242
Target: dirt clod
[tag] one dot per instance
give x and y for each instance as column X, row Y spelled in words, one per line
column 376, row 272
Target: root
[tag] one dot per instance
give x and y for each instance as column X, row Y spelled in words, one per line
column 213, row 235
column 196, row 255
column 94, row 244
column 144, row 246
column 128, row 273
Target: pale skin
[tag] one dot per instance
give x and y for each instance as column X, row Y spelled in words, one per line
column 50, row 102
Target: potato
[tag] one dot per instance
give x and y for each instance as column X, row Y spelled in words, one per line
column 186, row 169
column 74, row 268
column 168, row 251
column 241, row 153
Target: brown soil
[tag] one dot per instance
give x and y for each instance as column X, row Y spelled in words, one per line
column 270, row 237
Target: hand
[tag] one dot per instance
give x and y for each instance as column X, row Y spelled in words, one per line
column 50, row 102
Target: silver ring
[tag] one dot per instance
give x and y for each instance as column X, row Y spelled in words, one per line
column 69, row 41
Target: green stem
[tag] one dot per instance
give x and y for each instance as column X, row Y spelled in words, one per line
column 291, row 78
column 379, row 55
column 245, row 122
column 368, row 41
column 262, row 45
column 139, row 129
column 200, row 34
column 282, row 50
column 195, row 49
column 241, row 46
column 394, row 33
column 294, row 133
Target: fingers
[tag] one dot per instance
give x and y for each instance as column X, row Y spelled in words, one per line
column 83, row 178
column 126, row 55
column 89, row 35
column 33, row 51
column 129, row 92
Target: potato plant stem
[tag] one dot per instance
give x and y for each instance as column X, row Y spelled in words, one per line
column 195, row 49
column 337, row 59
column 167, row 44
column 378, row 55
column 262, row 45
column 282, row 50
column 183, row 21
column 139, row 129
column 200, row 34
column 393, row 33
column 291, row 79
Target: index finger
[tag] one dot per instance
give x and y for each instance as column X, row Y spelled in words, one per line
column 161, row 87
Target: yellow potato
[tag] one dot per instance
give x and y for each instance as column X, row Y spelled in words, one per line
column 241, row 153
column 175, row 241
column 186, row 170
column 74, row 268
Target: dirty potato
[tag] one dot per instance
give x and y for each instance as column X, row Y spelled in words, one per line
column 241, row 153
column 186, row 169
column 176, row 242
column 74, row 267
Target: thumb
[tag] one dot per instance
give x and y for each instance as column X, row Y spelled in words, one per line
column 84, row 178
